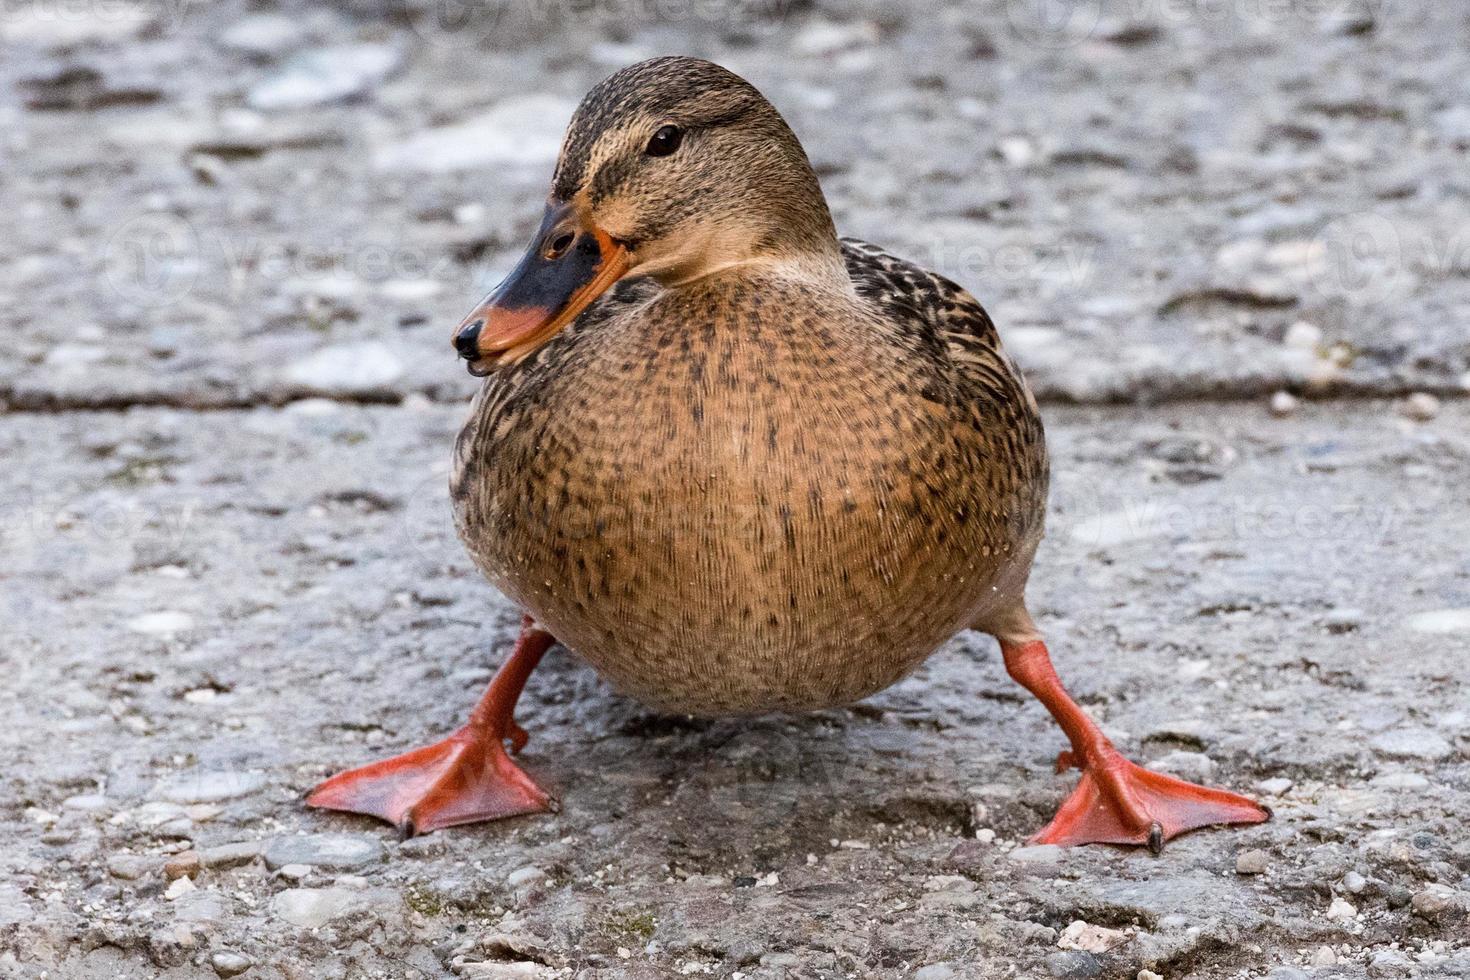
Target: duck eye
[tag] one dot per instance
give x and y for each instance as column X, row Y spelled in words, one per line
column 665, row 141
column 558, row 247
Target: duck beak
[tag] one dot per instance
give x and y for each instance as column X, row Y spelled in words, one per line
column 569, row 264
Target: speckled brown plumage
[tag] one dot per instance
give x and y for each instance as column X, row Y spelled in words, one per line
column 740, row 465
column 780, row 485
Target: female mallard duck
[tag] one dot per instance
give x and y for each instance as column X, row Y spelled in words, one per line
column 740, row 465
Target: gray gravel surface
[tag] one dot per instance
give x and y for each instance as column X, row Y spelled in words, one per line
column 228, row 226
column 209, row 611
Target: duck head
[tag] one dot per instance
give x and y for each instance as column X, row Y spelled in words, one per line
column 673, row 168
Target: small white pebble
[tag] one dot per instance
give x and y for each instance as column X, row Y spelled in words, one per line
column 524, row 876
column 1284, row 403
column 1342, row 910
column 1252, row 862
column 180, row 887
column 1303, row 336
column 164, row 623
column 1420, row 406
column 1274, row 786
column 1324, row 957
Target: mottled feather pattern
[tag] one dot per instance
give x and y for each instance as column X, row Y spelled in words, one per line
column 756, row 493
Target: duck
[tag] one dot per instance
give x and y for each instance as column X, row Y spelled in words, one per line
column 739, row 464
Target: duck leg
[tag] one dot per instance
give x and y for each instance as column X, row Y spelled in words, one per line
column 463, row 779
column 1116, row 802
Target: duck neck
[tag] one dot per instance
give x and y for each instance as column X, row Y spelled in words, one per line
column 797, row 233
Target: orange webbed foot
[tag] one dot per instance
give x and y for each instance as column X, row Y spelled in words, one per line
column 467, row 777
column 1118, row 802
column 463, row 779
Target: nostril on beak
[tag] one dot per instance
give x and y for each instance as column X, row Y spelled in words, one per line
column 467, row 341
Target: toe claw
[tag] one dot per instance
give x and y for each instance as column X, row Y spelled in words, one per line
column 1117, row 802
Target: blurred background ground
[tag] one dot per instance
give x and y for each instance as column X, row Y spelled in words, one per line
column 236, row 236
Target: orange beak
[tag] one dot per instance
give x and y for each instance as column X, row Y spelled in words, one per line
column 568, row 265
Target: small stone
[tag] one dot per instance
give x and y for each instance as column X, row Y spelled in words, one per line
column 1275, row 786
column 1284, row 403
column 1073, row 964
column 347, row 369
column 262, row 35
column 1441, row 621
column 326, row 75
column 524, row 876
column 130, row 867
column 164, row 623
column 202, row 905
column 934, row 971
column 181, row 828
column 1018, row 151
column 1401, row 780
column 43, row 817
column 822, row 37
column 87, row 803
column 1339, row 621
column 231, row 855
column 339, row 852
column 1389, row 963
column 527, row 970
column 1354, row 883
column 311, row 908
column 1093, row 939
column 421, row 847
column 228, row 963
column 1412, row 743
column 1148, row 975
column 1420, row 406
column 1436, row 903
column 1194, row 766
column 1286, row 973
column 1302, row 335
column 1252, row 862
column 1342, row 910
column 526, row 130
column 294, row 872
column 185, row 864
column 209, row 787
column 1036, row 854
column 179, row 888
column 1324, row 957
column 944, row 883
